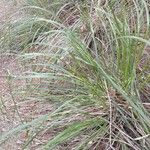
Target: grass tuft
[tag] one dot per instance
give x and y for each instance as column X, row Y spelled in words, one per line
column 88, row 57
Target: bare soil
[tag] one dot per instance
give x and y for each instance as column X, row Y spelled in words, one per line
column 16, row 109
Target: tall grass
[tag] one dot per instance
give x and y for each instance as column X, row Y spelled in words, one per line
column 87, row 55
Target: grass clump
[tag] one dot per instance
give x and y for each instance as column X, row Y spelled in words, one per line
column 87, row 56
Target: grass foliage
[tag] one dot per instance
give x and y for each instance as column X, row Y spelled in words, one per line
column 87, row 56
